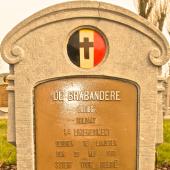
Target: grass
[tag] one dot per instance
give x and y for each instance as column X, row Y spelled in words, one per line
column 7, row 151
column 163, row 150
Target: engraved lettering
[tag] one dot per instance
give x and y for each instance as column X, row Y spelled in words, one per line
column 70, row 97
column 92, row 153
column 86, row 124
column 67, row 132
column 58, row 95
column 91, row 132
column 63, row 165
column 86, row 164
column 108, row 95
column 87, row 109
column 86, row 120
column 64, row 143
column 112, row 164
column 106, row 143
column 116, row 95
column 86, row 96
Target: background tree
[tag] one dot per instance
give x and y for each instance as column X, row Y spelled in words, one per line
column 154, row 10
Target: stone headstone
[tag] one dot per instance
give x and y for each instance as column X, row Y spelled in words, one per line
column 3, row 96
column 3, row 91
column 84, row 88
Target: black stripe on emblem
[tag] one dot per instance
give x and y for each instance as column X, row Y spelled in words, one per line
column 73, row 49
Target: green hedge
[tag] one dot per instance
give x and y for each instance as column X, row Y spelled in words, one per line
column 163, row 150
column 7, row 151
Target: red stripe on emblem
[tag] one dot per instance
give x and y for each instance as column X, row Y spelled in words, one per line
column 99, row 48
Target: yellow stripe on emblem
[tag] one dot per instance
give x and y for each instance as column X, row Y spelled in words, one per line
column 86, row 38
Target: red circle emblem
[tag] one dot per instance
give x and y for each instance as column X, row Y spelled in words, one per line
column 86, row 48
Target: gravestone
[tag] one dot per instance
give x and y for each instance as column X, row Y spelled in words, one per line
column 3, row 92
column 3, row 95
column 84, row 88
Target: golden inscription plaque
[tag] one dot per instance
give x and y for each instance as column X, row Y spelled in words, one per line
column 86, row 123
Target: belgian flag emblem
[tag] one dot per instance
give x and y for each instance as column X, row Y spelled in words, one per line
column 86, row 48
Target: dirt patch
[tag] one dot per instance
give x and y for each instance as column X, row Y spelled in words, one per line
column 8, row 167
column 166, row 167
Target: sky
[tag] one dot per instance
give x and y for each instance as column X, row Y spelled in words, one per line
column 13, row 12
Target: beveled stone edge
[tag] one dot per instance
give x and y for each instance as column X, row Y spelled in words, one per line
column 13, row 54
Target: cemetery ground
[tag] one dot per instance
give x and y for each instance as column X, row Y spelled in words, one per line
column 8, row 151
